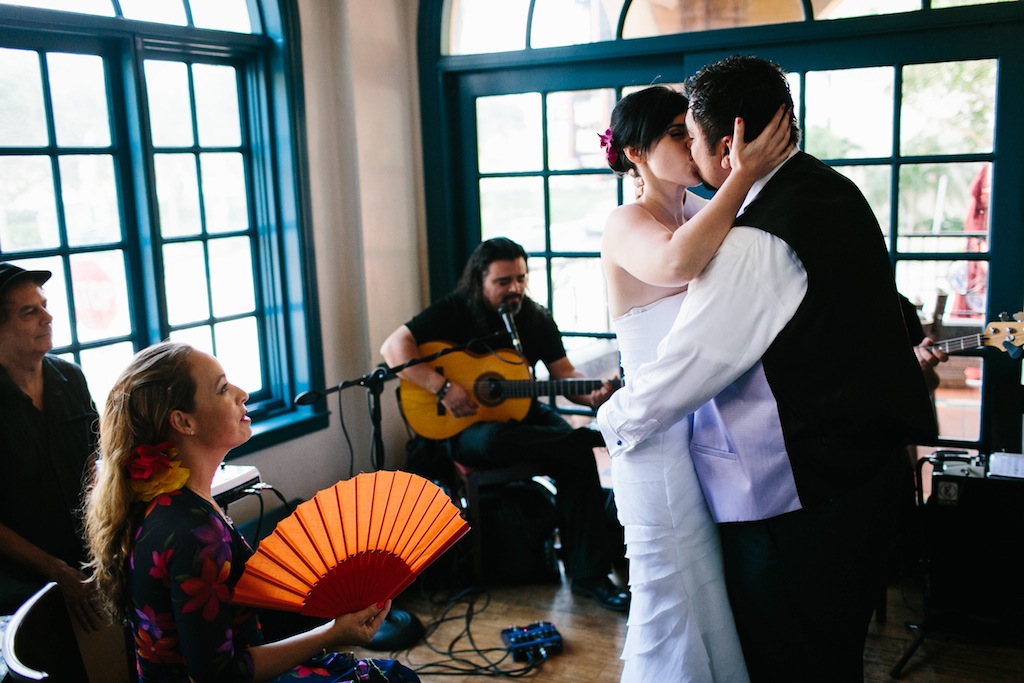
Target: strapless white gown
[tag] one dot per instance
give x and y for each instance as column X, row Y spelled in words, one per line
column 680, row 626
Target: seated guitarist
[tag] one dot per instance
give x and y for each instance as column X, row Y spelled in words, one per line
column 496, row 275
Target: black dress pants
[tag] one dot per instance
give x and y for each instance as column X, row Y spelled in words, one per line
column 803, row 585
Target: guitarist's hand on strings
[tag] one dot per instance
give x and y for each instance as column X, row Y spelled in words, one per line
column 564, row 369
column 599, row 396
column 927, row 356
column 458, row 401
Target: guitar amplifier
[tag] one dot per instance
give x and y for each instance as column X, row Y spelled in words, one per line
column 972, row 530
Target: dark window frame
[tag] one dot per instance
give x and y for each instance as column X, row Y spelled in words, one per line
column 273, row 120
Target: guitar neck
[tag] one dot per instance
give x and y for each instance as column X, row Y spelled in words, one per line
column 526, row 388
column 971, row 341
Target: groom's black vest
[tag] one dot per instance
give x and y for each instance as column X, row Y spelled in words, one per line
column 843, row 371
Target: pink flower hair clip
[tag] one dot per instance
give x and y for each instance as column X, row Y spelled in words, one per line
column 608, row 145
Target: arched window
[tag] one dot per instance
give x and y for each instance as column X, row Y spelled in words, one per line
column 914, row 100
column 149, row 158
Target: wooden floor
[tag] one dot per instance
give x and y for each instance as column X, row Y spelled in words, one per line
column 592, row 640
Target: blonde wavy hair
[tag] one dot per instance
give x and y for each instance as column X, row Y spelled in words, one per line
column 157, row 381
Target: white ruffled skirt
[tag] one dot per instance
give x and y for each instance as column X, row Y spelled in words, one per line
column 680, row 626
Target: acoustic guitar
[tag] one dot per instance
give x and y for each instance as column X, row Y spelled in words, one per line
column 500, row 383
column 1003, row 334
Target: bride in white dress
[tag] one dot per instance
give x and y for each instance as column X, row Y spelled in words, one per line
column 680, row 625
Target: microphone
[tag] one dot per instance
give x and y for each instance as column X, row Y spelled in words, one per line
column 307, row 398
column 505, row 311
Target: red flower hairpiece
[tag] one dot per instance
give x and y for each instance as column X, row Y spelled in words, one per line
column 153, row 470
column 608, row 145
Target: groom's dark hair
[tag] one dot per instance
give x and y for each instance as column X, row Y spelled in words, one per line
column 752, row 88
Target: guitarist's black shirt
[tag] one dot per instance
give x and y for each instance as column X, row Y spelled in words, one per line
column 450, row 319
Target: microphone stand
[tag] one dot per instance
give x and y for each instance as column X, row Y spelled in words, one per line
column 401, row 629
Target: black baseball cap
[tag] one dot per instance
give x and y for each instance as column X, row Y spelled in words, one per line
column 10, row 274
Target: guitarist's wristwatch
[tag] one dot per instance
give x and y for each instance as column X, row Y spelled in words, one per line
column 443, row 391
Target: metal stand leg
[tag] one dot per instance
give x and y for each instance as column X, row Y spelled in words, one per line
column 909, row 652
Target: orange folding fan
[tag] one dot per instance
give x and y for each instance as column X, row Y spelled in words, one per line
column 362, row 541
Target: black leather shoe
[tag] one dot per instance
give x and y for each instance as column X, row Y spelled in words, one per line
column 606, row 593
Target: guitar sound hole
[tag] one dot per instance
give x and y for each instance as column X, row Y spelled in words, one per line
column 488, row 389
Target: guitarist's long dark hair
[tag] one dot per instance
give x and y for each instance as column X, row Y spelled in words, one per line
column 471, row 283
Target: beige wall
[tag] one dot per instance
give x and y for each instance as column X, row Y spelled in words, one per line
column 362, row 120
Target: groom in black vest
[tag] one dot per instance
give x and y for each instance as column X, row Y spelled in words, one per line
column 800, row 445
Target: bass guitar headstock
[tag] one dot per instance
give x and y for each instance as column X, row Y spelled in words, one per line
column 1006, row 334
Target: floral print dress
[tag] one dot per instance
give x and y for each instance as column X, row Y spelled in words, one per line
column 184, row 565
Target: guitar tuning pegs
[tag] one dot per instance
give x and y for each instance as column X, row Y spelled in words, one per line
column 1003, row 317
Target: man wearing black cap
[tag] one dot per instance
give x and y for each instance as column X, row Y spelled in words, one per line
column 47, row 448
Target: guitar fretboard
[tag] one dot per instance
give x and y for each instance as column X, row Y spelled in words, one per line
column 971, row 341
column 525, row 388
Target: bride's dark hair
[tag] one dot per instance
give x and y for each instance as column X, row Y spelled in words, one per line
column 641, row 118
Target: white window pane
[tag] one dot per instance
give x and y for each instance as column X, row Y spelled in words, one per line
column 958, row 398
column 102, row 366
column 944, row 207
column 513, row 208
column 238, row 350
column 100, row 289
column 481, row 26
column 509, row 133
column 575, row 119
column 936, row 4
column 222, row 15
column 89, row 193
column 225, row 203
column 955, row 290
column 78, row 87
column 849, row 113
column 159, row 11
column 948, row 108
column 665, row 17
column 177, row 192
column 537, row 285
column 185, row 283
column 865, row 8
column 580, row 301
column 200, row 338
column 231, row 276
column 103, row 8
column 573, row 22
column 217, row 105
column 21, row 107
column 28, row 209
column 170, row 113
column 579, row 207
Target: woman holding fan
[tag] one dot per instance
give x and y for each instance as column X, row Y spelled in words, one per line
column 165, row 556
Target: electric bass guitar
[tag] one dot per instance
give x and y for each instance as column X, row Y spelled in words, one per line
column 1004, row 334
column 500, row 383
